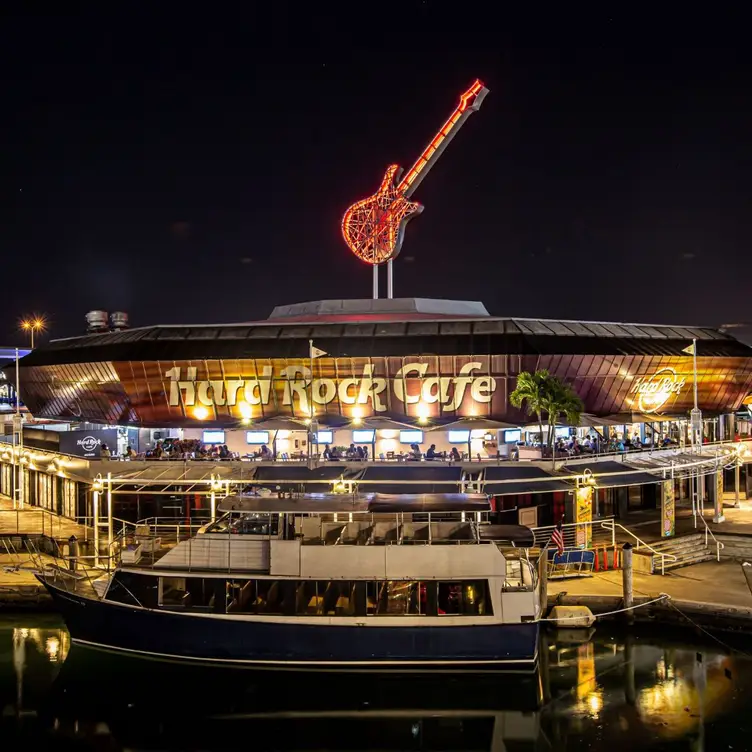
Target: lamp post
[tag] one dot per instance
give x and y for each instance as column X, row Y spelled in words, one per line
column 31, row 325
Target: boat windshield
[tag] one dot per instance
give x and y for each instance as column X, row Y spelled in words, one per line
column 246, row 524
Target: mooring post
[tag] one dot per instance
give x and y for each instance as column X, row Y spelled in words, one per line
column 72, row 553
column 543, row 581
column 626, row 570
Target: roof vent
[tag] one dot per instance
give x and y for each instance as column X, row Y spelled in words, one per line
column 118, row 321
column 96, row 322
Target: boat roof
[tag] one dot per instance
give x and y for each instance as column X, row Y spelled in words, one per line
column 321, row 503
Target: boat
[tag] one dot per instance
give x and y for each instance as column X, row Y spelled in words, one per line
column 336, row 582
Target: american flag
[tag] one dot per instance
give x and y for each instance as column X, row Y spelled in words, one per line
column 557, row 539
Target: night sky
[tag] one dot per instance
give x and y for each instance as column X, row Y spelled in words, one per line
column 194, row 169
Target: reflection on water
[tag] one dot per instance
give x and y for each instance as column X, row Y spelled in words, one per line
column 593, row 688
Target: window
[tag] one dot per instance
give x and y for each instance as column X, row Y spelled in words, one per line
column 133, row 589
column 464, row 598
column 325, row 598
column 411, row 437
column 213, row 437
column 257, row 437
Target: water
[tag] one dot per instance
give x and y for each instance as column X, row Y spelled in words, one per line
column 594, row 690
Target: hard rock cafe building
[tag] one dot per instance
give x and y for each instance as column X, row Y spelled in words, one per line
column 385, row 375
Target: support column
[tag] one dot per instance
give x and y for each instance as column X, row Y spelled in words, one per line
column 375, row 282
column 716, row 490
column 668, row 508
column 390, row 279
column 736, row 485
column 95, row 514
column 109, row 520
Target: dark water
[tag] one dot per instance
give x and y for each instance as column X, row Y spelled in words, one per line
column 594, row 690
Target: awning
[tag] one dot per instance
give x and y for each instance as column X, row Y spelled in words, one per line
column 429, row 502
column 474, row 424
column 620, row 419
column 610, row 474
column 594, row 421
column 505, row 480
column 301, row 477
column 411, row 478
column 518, row 535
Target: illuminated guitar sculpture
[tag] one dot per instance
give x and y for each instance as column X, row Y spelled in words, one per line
column 374, row 228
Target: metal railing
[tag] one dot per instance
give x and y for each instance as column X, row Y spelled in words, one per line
column 709, row 532
column 611, row 525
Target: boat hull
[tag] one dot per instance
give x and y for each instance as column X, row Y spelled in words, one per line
column 247, row 642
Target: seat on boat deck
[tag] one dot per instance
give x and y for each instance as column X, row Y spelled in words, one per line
column 384, row 532
column 356, row 533
column 333, row 532
column 240, row 603
column 452, row 531
column 414, row 532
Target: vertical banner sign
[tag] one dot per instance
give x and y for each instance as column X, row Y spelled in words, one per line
column 668, row 509
column 584, row 516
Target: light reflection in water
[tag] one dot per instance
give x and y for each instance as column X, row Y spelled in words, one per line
column 603, row 690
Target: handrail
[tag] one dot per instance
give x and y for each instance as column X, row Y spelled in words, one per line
column 718, row 544
column 640, row 542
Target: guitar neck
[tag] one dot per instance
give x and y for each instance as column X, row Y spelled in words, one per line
column 470, row 102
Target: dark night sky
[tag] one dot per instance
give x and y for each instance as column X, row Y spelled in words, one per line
column 195, row 169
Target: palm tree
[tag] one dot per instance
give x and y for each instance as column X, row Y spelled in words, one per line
column 560, row 400
column 543, row 393
column 531, row 390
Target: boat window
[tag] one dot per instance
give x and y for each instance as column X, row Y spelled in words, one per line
column 133, row 589
column 246, row 524
column 466, row 598
column 259, row 596
column 324, row 598
column 174, row 592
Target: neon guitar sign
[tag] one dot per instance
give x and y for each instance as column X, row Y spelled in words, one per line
column 374, row 228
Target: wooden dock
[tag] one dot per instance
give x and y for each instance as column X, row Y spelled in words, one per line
column 37, row 521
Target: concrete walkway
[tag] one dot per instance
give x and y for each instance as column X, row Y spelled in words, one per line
column 711, row 582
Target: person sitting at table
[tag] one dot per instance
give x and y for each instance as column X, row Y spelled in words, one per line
column 352, row 452
column 327, row 452
column 454, row 455
column 432, row 454
column 415, row 453
column 265, row 454
column 360, row 454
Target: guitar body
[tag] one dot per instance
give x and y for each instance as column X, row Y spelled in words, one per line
column 374, row 228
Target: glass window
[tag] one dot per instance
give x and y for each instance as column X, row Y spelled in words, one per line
column 466, row 598
column 133, row 589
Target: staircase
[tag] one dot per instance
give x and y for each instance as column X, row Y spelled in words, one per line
column 688, row 549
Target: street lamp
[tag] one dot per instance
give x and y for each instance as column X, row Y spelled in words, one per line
column 31, row 325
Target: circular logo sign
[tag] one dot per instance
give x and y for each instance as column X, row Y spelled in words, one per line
column 653, row 392
column 89, row 443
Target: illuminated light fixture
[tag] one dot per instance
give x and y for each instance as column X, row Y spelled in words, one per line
column 307, row 421
column 33, row 324
column 98, row 483
column 200, row 413
column 357, row 414
column 374, row 227
column 245, row 411
column 588, row 478
column 422, row 412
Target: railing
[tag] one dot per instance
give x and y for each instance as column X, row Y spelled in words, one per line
column 708, row 531
column 611, row 525
column 574, row 533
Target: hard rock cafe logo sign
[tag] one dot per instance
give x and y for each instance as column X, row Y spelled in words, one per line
column 89, row 443
column 653, row 392
column 299, row 386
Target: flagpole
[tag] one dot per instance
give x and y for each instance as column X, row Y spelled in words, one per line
column 694, row 367
column 312, row 432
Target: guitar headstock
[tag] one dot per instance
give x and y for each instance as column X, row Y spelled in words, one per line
column 473, row 97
